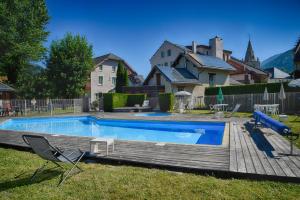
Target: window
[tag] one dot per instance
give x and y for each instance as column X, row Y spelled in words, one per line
column 169, row 52
column 113, row 80
column 100, row 67
column 99, row 95
column 211, row 79
column 162, row 54
column 166, row 64
column 113, row 68
column 100, row 81
column 180, row 88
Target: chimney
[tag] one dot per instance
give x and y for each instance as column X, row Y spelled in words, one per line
column 216, row 47
column 194, row 47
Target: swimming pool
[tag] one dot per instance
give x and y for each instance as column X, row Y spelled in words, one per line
column 153, row 114
column 210, row 133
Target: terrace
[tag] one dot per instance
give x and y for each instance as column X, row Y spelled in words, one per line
column 245, row 153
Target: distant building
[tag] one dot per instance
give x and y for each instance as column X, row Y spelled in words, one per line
column 192, row 70
column 6, row 92
column 247, row 74
column 250, row 58
column 277, row 75
column 103, row 76
column 168, row 51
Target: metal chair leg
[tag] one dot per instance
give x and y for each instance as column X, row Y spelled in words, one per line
column 36, row 171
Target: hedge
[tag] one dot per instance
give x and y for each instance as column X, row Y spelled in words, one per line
column 115, row 100
column 250, row 89
column 166, row 101
column 133, row 99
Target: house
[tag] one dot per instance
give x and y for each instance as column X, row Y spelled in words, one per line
column 168, row 51
column 192, row 71
column 103, row 76
column 6, row 92
column 277, row 75
column 245, row 73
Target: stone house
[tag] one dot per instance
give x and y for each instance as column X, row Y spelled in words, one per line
column 166, row 54
column 103, row 76
column 192, row 71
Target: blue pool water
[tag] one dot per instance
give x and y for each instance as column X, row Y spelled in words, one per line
column 210, row 133
column 154, row 114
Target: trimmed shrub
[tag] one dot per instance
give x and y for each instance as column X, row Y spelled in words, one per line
column 250, row 89
column 115, row 100
column 133, row 99
column 166, row 101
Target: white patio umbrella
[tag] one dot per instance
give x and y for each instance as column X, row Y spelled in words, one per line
column 294, row 83
column 266, row 95
column 183, row 93
column 282, row 96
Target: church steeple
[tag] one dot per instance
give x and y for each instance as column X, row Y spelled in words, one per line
column 250, row 58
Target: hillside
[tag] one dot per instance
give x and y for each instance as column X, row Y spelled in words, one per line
column 283, row 61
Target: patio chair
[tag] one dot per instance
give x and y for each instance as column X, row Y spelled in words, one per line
column 211, row 108
column 146, row 103
column 41, row 146
column 235, row 109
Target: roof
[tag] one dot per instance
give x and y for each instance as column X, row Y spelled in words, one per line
column 6, row 88
column 174, row 75
column 211, row 62
column 248, row 67
column 111, row 56
column 206, row 47
column 277, row 73
column 234, row 82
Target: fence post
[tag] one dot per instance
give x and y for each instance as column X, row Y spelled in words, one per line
column 74, row 105
column 25, row 111
column 50, row 101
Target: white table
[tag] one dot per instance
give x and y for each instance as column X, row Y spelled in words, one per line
column 220, row 107
column 267, row 108
column 95, row 144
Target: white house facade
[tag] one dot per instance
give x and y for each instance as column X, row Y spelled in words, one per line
column 104, row 74
column 191, row 72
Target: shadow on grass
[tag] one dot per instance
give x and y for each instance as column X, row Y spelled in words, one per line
column 24, row 179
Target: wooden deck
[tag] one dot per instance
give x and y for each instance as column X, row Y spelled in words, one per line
column 249, row 154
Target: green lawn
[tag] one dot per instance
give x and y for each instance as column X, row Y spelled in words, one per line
column 100, row 181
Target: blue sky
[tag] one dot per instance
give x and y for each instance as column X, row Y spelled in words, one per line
column 135, row 29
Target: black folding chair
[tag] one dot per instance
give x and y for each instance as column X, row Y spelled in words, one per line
column 41, row 146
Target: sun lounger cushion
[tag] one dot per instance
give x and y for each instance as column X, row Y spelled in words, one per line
column 270, row 122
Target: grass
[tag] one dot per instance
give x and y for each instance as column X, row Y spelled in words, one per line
column 100, row 181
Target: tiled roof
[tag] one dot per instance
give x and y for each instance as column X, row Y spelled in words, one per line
column 6, row 88
column 178, row 75
column 211, row 62
column 250, row 68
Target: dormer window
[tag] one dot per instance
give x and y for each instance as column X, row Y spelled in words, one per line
column 100, row 67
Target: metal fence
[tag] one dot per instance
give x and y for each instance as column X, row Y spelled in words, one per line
column 290, row 105
column 25, row 107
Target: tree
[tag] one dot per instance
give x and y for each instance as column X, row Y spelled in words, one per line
column 22, row 33
column 68, row 66
column 33, row 83
column 122, row 77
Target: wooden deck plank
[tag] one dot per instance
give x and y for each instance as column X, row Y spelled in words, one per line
column 241, row 165
column 258, row 167
column 232, row 149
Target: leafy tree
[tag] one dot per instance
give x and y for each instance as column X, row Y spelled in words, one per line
column 68, row 66
column 122, row 77
column 33, row 83
column 22, row 33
